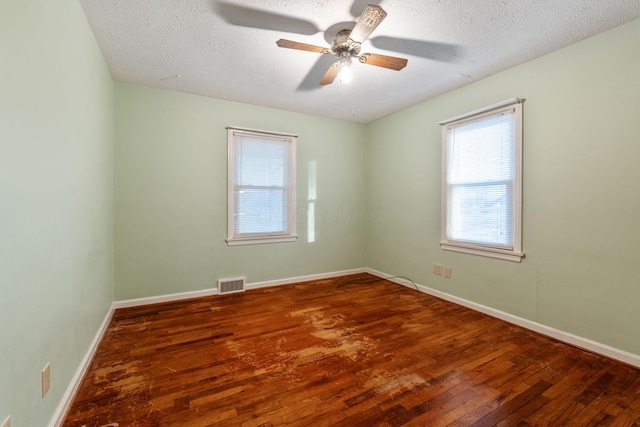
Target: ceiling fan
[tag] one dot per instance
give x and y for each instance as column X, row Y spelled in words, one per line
column 346, row 46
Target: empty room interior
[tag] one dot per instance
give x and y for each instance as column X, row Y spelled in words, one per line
column 121, row 126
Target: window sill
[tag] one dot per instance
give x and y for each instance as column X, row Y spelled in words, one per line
column 486, row 252
column 258, row 240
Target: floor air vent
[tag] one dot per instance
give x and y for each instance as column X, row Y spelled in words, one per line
column 230, row 286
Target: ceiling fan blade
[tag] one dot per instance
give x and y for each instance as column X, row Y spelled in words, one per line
column 244, row 16
column 290, row 44
column 390, row 62
column 331, row 74
column 425, row 49
column 371, row 17
column 359, row 5
column 319, row 69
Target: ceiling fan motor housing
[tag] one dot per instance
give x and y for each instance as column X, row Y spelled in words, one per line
column 343, row 46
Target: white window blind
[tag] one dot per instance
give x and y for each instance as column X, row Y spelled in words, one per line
column 482, row 183
column 262, row 187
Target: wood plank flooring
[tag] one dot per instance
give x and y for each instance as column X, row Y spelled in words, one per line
column 349, row 351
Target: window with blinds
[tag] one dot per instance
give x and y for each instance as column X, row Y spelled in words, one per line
column 261, row 187
column 482, row 182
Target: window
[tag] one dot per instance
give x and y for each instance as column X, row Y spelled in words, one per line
column 482, row 182
column 261, row 187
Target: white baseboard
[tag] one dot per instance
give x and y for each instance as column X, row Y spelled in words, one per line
column 214, row 291
column 298, row 279
column 67, row 398
column 566, row 337
column 164, row 298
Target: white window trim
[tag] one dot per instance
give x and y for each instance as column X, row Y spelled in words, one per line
column 260, row 238
column 515, row 254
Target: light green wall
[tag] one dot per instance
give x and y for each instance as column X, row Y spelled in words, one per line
column 581, row 201
column 171, row 194
column 56, row 168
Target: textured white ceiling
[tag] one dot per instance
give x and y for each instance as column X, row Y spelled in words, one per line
column 227, row 49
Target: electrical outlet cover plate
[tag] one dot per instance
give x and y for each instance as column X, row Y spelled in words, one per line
column 447, row 272
column 437, row 269
column 46, row 379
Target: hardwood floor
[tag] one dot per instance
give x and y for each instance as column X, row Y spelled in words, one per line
column 349, row 351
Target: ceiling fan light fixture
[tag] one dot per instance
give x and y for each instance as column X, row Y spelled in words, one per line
column 345, row 74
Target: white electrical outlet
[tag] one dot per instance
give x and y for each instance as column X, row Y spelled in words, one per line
column 447, row 272
column 7, row 422
column 46, row 379
column 437, row 269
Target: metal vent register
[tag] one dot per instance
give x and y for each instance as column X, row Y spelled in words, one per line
column 230, row 286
